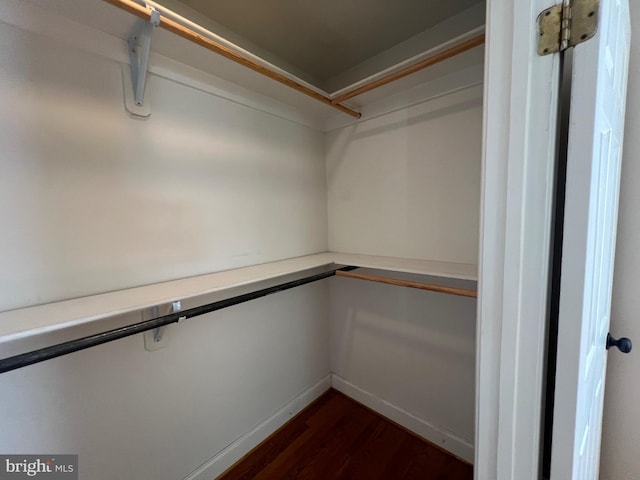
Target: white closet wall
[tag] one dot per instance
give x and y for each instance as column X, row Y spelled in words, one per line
column 407, row 184
column 409, row 354
column 92, row 200
column 225, row 382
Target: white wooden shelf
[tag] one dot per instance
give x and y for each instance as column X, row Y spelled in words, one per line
column 25, row 322
column 49, row 317
column 462, row 271
column 103, row 29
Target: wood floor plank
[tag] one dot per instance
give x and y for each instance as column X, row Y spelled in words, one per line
column 375, row 453
column 333, row 455
column 283, row 439
column 336, row 438
column 326, row 424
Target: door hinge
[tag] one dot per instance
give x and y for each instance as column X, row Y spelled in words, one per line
column 566, row 25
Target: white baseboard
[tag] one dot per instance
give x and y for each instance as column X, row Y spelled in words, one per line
column 224, row 459
column 436, row 435
column 220, row 462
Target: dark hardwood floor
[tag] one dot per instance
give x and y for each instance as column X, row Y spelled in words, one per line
column 338, row 438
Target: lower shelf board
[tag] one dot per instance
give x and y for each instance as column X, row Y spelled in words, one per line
column 50, row 317
column 338, row 438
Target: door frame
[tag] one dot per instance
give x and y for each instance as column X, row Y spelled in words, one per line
column 519, row 151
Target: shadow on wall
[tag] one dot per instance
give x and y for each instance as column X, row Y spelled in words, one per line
column 413, row 349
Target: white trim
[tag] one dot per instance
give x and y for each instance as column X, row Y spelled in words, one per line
column 433, row 433
column 521, row 91
column 224, row 459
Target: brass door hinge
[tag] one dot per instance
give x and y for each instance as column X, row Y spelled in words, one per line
column 566, row 25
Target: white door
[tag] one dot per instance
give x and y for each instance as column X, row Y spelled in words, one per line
column 593, row 176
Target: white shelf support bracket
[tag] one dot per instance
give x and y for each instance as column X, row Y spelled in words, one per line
column 139, row 49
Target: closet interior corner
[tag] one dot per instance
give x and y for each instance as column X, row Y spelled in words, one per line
column 287, row 201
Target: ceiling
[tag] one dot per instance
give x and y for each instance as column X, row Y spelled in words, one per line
column 326, row 38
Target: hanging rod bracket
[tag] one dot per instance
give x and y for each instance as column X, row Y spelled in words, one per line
column 139, row 49
column 157, row 338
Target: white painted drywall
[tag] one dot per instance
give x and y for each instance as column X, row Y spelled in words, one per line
column 92, row 200
column 133, row 414
column 412, row 352
column 621, row 424
column 407, row 183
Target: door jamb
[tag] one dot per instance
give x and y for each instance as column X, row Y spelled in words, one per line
column 520, row 116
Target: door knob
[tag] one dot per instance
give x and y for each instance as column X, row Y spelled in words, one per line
column 623, row 343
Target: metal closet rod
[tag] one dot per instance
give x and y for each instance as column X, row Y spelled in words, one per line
column 47, row 353
column 405, row 283
column 168, row 24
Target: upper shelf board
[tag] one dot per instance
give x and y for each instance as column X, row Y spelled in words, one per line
column 25, row 322
column 330, row 37
column 103, row 19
